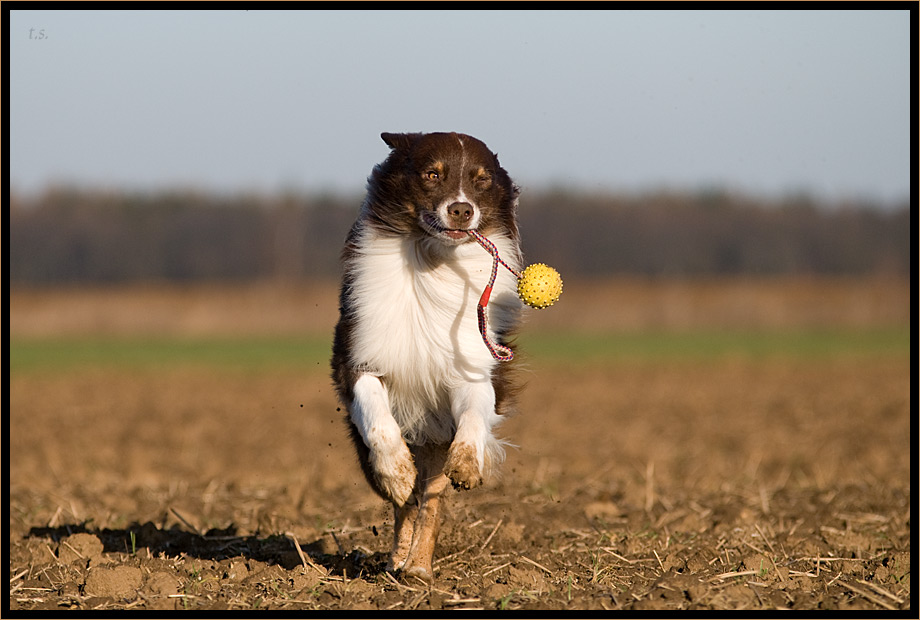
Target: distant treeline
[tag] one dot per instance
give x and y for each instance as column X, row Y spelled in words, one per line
column 69, row 236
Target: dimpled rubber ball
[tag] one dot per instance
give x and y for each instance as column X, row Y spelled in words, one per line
column 539, row 286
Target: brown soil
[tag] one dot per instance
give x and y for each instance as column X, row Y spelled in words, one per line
column 725, row 484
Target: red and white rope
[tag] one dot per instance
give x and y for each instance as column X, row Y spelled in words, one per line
column 499, row 351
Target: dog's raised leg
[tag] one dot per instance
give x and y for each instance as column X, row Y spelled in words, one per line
column 474, row 450
column 417, row 525
column 388, row 458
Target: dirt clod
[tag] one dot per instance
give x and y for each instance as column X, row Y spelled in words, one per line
column 119, row 582
column 80, row 547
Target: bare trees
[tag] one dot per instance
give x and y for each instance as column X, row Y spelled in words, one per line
column 68, row 236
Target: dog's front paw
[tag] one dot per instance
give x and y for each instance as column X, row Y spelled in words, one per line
column 462, row 467
column 394, row 471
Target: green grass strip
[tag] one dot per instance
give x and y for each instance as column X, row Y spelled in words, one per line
column 708, row 345
column 313, row 352
column 149, row 353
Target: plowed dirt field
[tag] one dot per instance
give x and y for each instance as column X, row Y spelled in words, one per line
column 730, row 479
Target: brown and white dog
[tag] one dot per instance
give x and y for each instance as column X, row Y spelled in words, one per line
column 422, row 390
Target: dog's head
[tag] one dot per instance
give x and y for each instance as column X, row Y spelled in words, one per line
column 441, row 185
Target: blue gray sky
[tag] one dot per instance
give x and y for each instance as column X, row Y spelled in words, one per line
column 765, row 102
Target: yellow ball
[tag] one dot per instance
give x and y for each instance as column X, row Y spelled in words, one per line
column 539, row 286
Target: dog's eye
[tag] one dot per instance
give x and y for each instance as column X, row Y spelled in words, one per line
column 432, row 175
column 483, row 181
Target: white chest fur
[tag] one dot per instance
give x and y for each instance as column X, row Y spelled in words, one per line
column 416, row 324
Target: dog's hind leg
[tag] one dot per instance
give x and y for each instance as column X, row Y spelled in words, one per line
column 403, row 528
column 420, row 523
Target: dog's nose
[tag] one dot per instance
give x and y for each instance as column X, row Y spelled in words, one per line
column 460, row 213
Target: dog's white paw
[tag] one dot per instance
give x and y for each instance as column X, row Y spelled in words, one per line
column 394, row 470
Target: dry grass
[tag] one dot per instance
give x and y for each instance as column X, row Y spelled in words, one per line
column 609, row 305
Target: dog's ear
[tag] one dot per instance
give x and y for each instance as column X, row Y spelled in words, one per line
column 400, row 141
